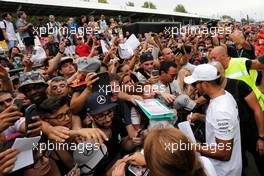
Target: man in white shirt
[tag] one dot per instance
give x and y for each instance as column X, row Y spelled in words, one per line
column 8, row 28
column 53, row 28
column 223, row 143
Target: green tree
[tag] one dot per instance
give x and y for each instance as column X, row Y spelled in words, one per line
column 180, row 8
column 102, row 1
column 243, row 20
column 251, row 20
column 227, row 17
column 149, row 5
column 131, row 4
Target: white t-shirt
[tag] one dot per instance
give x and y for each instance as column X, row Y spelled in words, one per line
column 208, row 166
column 14, row 128
column 9, row 28
column 222, row 123
column 172, row 88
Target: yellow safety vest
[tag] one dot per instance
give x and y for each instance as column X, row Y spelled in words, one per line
column 237, row 70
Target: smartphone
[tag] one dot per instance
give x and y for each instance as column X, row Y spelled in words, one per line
column 155, row 72
column 138, row 171
column 18, row 103
column 30, row 112
column 102, row 83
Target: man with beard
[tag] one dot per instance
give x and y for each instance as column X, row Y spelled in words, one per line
column 33, row 86
column 101, row 110
column 222, row 122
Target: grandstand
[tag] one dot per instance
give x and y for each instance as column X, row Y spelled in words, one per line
column 80, row 7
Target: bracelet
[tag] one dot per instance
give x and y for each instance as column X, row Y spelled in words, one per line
column 261, row 138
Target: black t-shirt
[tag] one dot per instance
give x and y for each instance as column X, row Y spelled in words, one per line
column 80, row 89
column 240, row 90
column 122, row 112
column 114, row 144
column 233, row 52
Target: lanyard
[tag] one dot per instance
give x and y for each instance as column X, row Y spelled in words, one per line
column 240, row 54
column 170, row 89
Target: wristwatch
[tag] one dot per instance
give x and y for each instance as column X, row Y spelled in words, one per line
column 261, row 138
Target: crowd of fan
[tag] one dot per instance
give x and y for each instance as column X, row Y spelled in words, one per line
column 61, row 86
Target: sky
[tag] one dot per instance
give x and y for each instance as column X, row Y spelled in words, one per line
column 236, row 8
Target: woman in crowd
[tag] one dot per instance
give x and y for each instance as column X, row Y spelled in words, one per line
column 163, row 156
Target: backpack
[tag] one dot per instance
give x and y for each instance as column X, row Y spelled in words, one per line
column 2, row 37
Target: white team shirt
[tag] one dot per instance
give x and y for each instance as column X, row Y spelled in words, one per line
column 222, row 123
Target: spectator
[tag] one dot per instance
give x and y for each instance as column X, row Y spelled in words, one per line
column 167, row 83
column 185, row 88
column 58, row 87
column 33, row 86
column 147, row 65
column 53, row 28
column 25, row 31
column 51, row 47
column 184, row 55
column 167, row 54
column 154, row 149
column 8, row 28
column 82, row 49
column 66, row 67
column 84, row 21
column 241, row 47
column 102, row 23
column 16, row 57
column 103, row 118
column 93, row 24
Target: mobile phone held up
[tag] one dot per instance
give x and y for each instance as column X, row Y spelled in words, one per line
column 102, row 83
column 138, row 171
column 30, row 112
column 155, row 72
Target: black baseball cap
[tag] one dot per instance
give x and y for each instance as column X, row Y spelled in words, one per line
column 144, row 57
column 98, row 103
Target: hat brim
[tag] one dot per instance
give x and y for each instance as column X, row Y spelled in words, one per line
column 103, row 108
column 65, row 61
column 23, row 85
column 189, row 80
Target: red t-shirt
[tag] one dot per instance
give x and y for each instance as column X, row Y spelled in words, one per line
column 82, row 50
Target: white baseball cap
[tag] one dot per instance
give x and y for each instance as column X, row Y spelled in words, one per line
column 203, row 72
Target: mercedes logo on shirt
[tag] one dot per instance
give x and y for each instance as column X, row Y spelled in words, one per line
column 101, row 99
